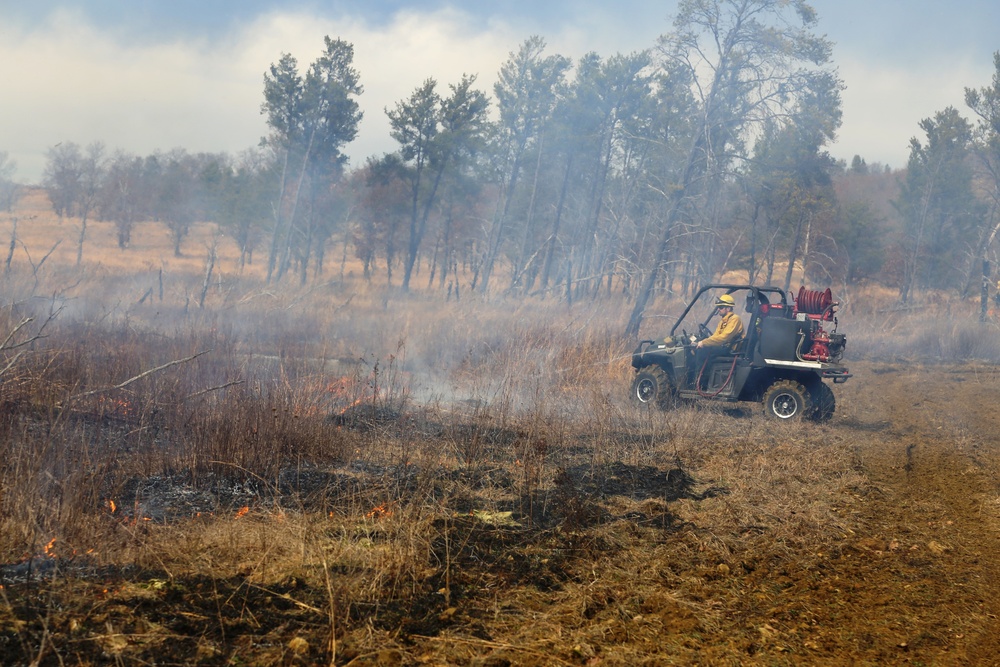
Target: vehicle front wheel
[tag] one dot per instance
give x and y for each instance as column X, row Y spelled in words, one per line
column 787, row 400
column 652, row 386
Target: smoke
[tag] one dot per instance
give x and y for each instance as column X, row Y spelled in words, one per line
column 145, row 91
column 78, row 82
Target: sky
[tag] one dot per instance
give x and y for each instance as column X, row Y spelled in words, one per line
column 153, row 75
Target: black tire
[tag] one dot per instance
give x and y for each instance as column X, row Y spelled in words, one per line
column 652, row 386
column 824, row 402
column 787, row 400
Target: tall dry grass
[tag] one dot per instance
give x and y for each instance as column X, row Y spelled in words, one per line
column 387, row 451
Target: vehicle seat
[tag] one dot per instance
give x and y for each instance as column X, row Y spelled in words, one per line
column 740, row 346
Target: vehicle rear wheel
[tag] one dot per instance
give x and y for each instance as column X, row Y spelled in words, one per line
column 652, row 386
column 824, row 402
column 787, row 400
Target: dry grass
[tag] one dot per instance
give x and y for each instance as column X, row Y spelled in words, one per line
column 334, row 472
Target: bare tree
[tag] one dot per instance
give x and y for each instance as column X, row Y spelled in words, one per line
column 122, row 197
column 750, row 61
column 10, row 191
column 73, row 179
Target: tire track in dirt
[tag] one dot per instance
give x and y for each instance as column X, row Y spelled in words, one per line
column 932, row 535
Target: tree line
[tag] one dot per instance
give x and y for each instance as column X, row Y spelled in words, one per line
column 633, row 174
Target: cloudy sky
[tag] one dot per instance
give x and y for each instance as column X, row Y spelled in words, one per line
column 148, row 75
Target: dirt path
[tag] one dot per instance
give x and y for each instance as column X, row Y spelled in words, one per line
column 925, row 576
column 874, row 540
column 916, row 580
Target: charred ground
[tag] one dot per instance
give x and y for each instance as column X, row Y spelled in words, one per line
column 341, row 474
column 678, row 538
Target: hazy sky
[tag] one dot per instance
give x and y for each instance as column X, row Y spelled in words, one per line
column 148, row 75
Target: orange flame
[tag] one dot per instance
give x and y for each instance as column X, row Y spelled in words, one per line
column 48, row 548
column 242, row 511
column 117, row 406
column 380, row 512
column 355, row 403
column 114, row 508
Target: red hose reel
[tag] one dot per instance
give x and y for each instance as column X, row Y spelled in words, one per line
column 819, row 307
column 817, row 304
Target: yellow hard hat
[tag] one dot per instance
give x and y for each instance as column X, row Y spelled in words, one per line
column 725, row 301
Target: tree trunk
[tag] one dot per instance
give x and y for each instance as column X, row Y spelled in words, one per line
column 276, row 236
column 495, row 240
column 793, row 254
column 83, row 235
column 418, row 223
column 529, row 223
column 660, row 258
column 554, row 237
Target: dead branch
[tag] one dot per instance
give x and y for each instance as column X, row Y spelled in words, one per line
column 35, row 268
column 492, row 645
column 211, row 389
column 11, row 363
column 6, row 344
column 289, row 598
column 129, row 381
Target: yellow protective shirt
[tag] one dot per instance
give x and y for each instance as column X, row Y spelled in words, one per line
column 729, row 332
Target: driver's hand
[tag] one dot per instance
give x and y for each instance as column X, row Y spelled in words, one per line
column 699, row 344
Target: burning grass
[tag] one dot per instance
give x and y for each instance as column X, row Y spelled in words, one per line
column 273, row 508
column 339, row 473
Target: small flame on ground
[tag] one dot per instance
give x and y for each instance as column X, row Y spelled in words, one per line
column 242, row 511
column 118, row 406
column 113, row 506
column 354, row 404
column 380, row 512
column 48, row 548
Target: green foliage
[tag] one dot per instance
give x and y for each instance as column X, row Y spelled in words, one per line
column 792, row 190
column 175, row 203
column 644, row 173
column 751, row 62
column 312, row 119
column 240, row 196
column 985, row 103
column 527, row 92
column 860, row 242
column 439, row 142
column 938, row 206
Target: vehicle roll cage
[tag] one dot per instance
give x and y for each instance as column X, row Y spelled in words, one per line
column 778, row 294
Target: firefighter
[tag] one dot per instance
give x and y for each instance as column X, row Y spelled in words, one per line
column 727, row 336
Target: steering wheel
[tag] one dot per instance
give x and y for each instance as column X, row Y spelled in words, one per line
column 703, row 331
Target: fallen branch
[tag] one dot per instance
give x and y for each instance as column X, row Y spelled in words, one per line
column 6, row 344
column 10, row 365
column 289, row 598
column 210, row 389
column 493, row 645
column 129, row 381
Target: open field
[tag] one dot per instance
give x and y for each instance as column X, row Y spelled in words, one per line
column 341, row 474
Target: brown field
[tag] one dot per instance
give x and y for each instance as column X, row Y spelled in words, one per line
column 339, row 474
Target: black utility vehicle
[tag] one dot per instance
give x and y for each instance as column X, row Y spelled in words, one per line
column 786, row 359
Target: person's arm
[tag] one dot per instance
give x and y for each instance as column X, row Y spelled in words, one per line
column 730, row 328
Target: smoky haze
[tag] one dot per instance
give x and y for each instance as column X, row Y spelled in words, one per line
column 143, row 82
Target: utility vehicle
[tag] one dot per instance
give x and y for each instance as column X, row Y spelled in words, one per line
column 786, row 360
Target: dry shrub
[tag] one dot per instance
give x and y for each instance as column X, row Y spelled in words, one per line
column 386, row 455
column 937, row 327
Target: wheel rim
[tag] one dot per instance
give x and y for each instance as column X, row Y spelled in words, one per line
column 785, row 405
column 645, row 390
